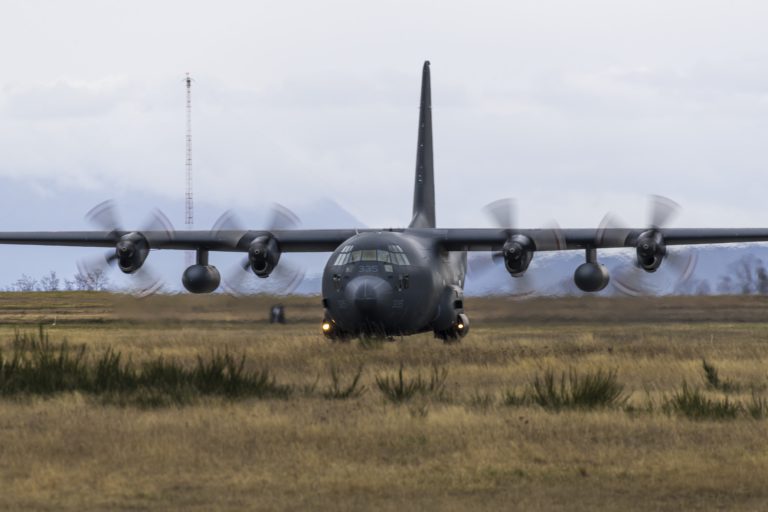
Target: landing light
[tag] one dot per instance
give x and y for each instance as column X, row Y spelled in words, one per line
column 326, row 327
column 460, row 326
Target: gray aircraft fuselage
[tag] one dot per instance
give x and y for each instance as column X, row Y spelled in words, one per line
column 394, row 283
column 391, row 283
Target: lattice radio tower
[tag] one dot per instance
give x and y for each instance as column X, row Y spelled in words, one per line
column 189, row 205
column 189, row 211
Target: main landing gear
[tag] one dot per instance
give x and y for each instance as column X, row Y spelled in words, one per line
column 332, row 332
column 457, row 330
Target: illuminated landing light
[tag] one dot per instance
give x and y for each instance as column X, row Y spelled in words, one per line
column 460, row 326
column 326, row 326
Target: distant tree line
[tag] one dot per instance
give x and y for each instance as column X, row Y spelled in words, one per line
column 95, row 280
column 747, row 276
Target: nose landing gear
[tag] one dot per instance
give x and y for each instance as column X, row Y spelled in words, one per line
column 458, row 329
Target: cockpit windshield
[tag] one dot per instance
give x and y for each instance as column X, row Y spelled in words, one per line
column 393, row 255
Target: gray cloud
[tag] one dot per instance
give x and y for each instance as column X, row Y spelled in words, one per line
column 62, row 99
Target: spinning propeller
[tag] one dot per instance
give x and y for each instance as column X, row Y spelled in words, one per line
column 518, row 251
column 242, row 279
column 647, row 275
column 131, row 249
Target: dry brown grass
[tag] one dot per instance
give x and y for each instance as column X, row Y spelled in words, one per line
column 453, row 452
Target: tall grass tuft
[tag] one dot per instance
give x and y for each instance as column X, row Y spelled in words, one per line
column 589, row 390
column 515, row 399
column 38, row 366
column 223, row 374
column 758, row 407
column 572, row 390
column 482, row 401
column 337, row 391
column 112, row 375
column 713, row 380
column 398, row 389
column 693, row 404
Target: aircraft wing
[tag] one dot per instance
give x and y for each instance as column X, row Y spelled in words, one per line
column 327, row 240
column 295, row 240
column 567, row 239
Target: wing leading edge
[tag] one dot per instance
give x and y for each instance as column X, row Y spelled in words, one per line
column 327, row 240
column 572, row 239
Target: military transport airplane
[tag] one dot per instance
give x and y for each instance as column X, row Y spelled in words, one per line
column 392, row 281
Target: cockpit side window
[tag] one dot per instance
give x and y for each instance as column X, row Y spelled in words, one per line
column 344, row 255
column 400, row 258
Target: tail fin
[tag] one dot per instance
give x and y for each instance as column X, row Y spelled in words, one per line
column 424, row 187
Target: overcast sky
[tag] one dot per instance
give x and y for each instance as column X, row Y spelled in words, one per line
column 574, row 108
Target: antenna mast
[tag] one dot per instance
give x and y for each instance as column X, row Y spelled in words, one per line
column 189, row 207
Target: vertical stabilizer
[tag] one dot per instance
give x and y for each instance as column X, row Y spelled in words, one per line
column 424, row 186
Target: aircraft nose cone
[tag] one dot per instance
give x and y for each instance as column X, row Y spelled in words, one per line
column 371, row 295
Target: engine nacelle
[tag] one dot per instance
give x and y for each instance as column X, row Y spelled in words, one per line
column 201, row 278
column 650, row 250
column 591, row 277
column 518, row 253
column 131, row 251
column 263, row 255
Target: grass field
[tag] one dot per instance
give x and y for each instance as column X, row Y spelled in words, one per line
column 465, row 439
